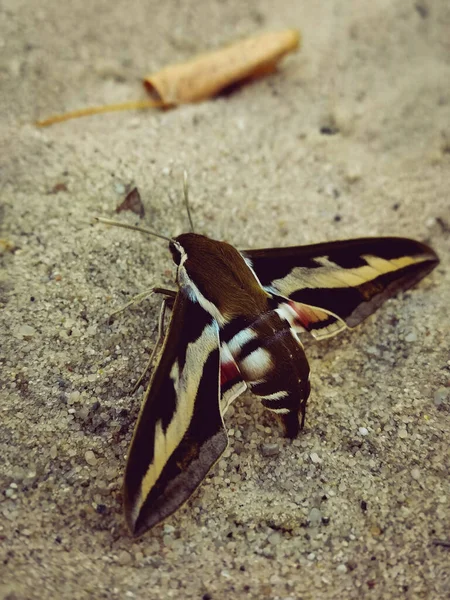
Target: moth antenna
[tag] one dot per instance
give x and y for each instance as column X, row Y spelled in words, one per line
column 133, row 227
column 186, row 199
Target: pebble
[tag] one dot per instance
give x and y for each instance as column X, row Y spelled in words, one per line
column 363, row 431
column 169, row 529
column 74, row 397
column 411, row 337
column 402, row 434
column 341, row 568
column 124, row 558
column 373, row 350
column 274, row 539
column 441, row 395
column 315, row 458
column 375, row 530
column 53, row 452
column 24, row 331
column 415, row 474
column 90, row 458
column 311, row 556
column 270, row 449
column 353, row 172
column 314, row 517
column 110, row 473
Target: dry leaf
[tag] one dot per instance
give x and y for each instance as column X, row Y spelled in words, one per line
column 132, row 202
column 58, row 187
column 210, row 73
column 206, row 75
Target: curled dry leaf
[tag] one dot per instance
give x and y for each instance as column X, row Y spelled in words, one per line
column 132, row 202
column 210, row 73
column 206, row 75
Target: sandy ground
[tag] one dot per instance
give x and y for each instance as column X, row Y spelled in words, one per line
column 358, row 519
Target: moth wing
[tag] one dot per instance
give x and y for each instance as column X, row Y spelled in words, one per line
column 346, row 280
column 179, row 434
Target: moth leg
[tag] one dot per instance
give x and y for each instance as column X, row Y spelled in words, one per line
column 143, row 296
column 166, row 303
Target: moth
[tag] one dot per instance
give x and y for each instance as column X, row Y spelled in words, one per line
column 235, row 325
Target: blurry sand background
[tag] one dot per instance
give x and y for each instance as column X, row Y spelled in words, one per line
column 336, row 513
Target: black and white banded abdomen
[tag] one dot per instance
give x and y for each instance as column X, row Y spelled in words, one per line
column 271, row 361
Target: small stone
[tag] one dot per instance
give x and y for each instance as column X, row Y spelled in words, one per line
column 415, row 474
column 124, row 558
column 353, row 172
column 90, row 458
column 311, row 556
column 373, row 350
column 411, row 337
column 375, row 530
column 83, row 413
column 169, row 529
column 24, row 331
column 274, row 539
column 341, row 568
column 363, row 431
column 74, row 397
column 110, row 473
column 315, row 458
column 314, row 517
column 270, row 449
column 53, row 452
column 402, row 434
column 441, row 395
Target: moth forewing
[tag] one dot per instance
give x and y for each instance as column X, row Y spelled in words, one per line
column 179, row 434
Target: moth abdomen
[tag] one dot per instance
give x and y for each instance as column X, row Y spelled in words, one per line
column 271, row 360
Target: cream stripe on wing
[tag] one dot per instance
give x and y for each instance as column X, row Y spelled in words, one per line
column 186, row 385
column 334, row 276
